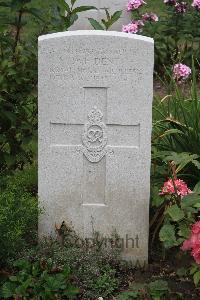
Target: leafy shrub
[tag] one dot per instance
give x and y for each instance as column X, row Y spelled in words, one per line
column 39, row 280
column 25, row 180
column 18, row 74
column 18, row 77
column 18, row 214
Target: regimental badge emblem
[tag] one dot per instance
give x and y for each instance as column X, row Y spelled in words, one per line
column 94, row 137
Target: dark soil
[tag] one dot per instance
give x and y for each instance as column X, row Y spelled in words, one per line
column 163, row 269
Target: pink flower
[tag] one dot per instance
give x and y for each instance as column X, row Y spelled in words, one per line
column 181, row 7
column 196, row 4
column 130, row 28
column 187, row 245
column 133, row 27
column 134, row 4
column 196, row 252
column 181, row 72
column 170, row 2
column 196, row 228
column 181, row 188
column 150, row 17
column 193, row 243
column 140, row 23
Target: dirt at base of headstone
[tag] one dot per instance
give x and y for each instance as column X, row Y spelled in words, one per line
column 160, row 271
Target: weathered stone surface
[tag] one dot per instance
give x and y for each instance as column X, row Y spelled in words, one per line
column 111, row 5
column 95, row 112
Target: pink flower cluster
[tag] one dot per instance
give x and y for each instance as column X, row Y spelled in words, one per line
column 133, row 27
column 136, row 25
column 196, row 4
column 181, row 72
column 134, row 4
column 181, row 188
column 193, row 243
column 150, row 17
column 181, row 7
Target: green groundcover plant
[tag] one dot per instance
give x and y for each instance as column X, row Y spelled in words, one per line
column 39, row 280
column 96, row 268
column 18, row 213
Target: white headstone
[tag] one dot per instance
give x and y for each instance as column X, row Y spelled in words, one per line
column 112, row 5
column 95, row 114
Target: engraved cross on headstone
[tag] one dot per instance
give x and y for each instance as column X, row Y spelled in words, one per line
column 95, row 139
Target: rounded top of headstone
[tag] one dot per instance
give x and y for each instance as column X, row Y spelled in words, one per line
column 95, row 33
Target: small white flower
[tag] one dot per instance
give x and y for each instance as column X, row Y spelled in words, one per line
column 100, row 298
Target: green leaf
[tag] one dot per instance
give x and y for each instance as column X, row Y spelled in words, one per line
column 167, row 236
column 169, row 132
column 64, row 5
column 115, row 17
column 13, row 278
column 182, row 159
column 194, row 269
column 158, row 288
column 175, row 213
column 8, row 290
column 197, row 188
column 73, row 19
column 181, row 272
column 107, row 14
column 196, row 278
column 34, row 12
column 190, row 200
column 83, row 8
column 184, row 230
column 73, row 2
column 157, row 199
column 196, row 163
column 96, row 25
column 22, row 264
column 71, row 292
